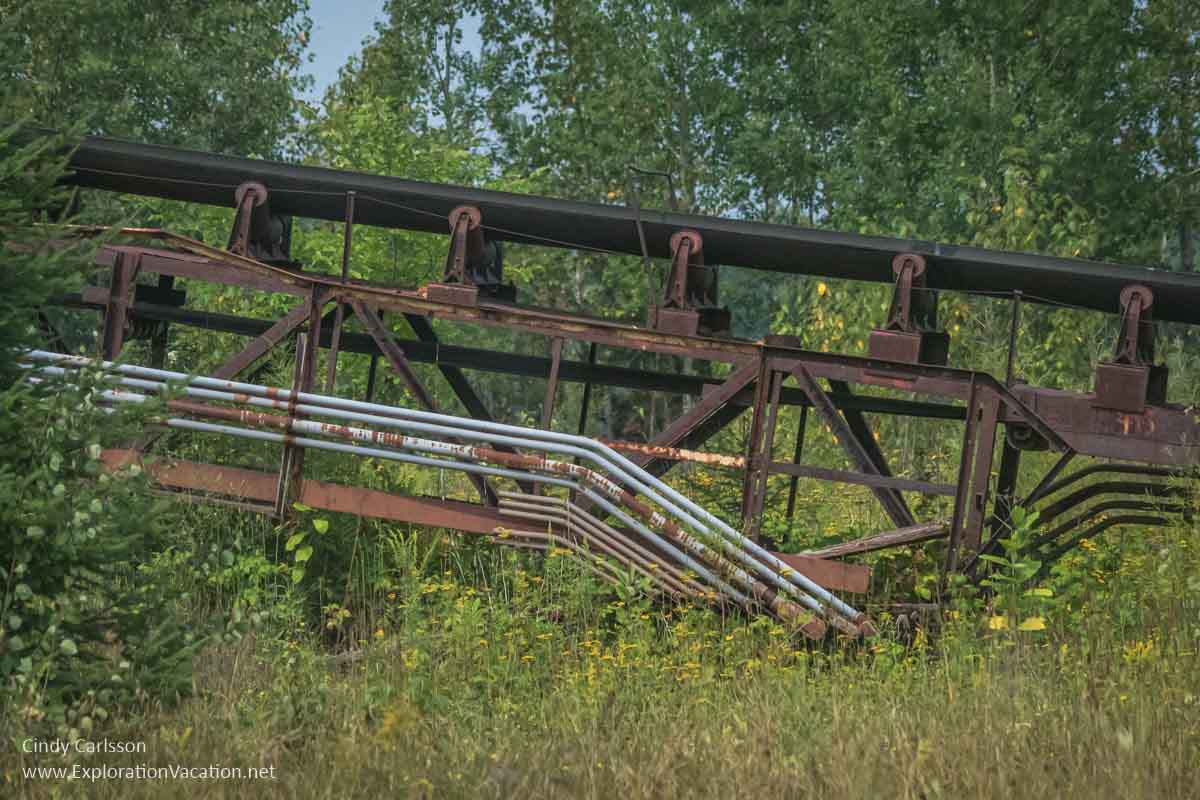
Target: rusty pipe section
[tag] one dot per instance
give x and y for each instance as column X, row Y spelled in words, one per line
column 281, row 422
column 555, row 512
column 581, row 517
column 579, row 522
column 780, row 596
column 732, row 543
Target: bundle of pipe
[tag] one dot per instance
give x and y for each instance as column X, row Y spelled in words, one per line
column 699, row 542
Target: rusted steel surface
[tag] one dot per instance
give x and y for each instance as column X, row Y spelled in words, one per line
column 660, row 452
column 1161, row 435
column 260, row 486
column 1125, row 417
column 119, row 297
column 834, row 575
column 913, row 534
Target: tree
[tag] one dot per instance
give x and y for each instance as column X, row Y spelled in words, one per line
column 418, row 63
column 218, row 75
column 88, row 620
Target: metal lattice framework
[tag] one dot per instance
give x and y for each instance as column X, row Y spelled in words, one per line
column 1139, row 441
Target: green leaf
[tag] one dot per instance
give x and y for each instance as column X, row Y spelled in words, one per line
column 322, row 525
column 68, row 647
column 294, row 539
column 1040, row 592
column 1033, row 624
column 297, row 574
column 302, row 508
column 304, row 554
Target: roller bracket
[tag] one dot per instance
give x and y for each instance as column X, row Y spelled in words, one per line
column 910, row 334
column 474, row 263
column 1131, row 380
column 689, row 304
column 256, row 232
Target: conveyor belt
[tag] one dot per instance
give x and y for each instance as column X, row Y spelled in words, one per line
column 304, row 191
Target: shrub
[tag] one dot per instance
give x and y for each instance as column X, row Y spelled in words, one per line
column 86, row 621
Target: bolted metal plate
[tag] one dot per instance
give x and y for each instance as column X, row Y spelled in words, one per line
column 1121, row 387
column 453, row 294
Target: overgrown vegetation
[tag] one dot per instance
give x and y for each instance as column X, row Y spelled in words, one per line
column 367, row 658
column 463, row 671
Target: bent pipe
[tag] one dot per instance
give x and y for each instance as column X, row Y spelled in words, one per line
column 764, row 563
column 781, row 607
column 778, row 605
column 1116, row 469
column 1119, row 504
column 591, row 541
column 575, row 518
column 1091, row 533
column 1053, row 510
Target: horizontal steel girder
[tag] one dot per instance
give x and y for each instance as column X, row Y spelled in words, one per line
column 514, row 363
column 193, row 176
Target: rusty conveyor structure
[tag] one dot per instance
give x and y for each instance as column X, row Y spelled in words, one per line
column 1136, row 442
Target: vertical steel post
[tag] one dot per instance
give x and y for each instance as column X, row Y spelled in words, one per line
column 796, row 455
column 586, row 400
column 120, row 297
column 763, row 472
column 762, row 393
column 1013, row 326
column 962, row 492
column 372, row 370
column 159, row 340
column 291, row 467
column 556, row 348
column 987, row 415
column 335, row 339
column 1006, row 482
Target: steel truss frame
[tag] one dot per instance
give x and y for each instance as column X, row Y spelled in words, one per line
column 1161, row 437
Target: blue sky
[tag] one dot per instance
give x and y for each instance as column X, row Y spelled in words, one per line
column 339, row 27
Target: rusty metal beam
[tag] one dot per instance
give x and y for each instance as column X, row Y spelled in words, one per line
column 914, row 534
column 711, row 414
column 307, row 353
column 451, row 359
column 987, row 412
column 890, row 499
column 259, row 486
column 395, row 356
column 116, row 312
column 758, row 461
column 265, row 343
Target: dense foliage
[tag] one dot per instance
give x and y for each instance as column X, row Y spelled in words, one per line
column 414, row 661
column 88, row 614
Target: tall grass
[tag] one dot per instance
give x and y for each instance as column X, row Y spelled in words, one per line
column 461, row 671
